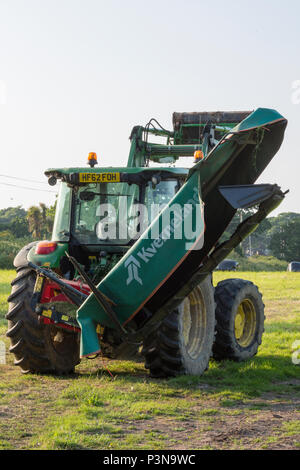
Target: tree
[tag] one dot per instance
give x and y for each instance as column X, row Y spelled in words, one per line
column 50, row 218
column 34, row 217
column 40, row 220
column 285, row 238
column 14, row 220
column 44, row 225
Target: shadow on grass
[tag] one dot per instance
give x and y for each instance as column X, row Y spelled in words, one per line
column 265, row 373
column 251, row 378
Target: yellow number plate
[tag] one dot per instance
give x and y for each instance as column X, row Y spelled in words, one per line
column 99, row 177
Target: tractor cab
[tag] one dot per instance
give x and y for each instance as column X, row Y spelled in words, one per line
column 102, row 212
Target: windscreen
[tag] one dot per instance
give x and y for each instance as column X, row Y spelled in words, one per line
column 117, row 213
column 102, row 211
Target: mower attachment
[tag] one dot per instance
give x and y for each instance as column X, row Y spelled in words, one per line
column 155, row 269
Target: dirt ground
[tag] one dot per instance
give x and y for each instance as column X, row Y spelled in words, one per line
column 207, row 426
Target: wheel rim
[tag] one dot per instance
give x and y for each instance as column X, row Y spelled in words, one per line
column 245, row 323
column 193, row 323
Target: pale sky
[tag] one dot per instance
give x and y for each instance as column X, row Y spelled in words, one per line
column 77, row 75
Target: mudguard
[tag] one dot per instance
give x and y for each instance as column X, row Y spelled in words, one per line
column 21, row 258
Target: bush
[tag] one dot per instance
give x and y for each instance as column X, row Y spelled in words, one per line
column 259, row 263
column 9, row 249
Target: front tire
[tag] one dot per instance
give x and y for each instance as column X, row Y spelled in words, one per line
column 182, row 342
column 240, row 320
column 37, row 347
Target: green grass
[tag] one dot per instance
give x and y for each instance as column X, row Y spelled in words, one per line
column 5, row 279
column 93, row 410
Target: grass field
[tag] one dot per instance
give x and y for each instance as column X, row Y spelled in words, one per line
column 252, row 405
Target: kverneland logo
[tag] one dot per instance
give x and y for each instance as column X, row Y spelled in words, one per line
column 173, row 229
column 133, row 275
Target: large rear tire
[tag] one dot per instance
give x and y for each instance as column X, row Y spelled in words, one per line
column 240, row 320
column 37, row 347
column 182, row 343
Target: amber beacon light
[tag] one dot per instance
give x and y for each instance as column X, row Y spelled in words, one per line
column 92, row 159
column 198, row 155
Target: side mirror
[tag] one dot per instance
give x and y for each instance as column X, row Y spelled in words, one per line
column 52, row 180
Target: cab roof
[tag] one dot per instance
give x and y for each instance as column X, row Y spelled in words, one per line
column 59, row 172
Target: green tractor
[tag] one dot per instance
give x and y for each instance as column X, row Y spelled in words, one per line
column 128, row 272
